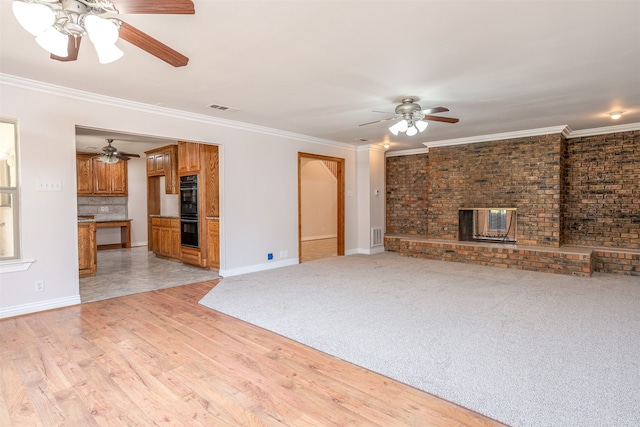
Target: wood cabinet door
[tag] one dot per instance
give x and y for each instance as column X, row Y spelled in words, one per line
column 155, row 237
column 87, row 249
column 101, row 178
column 175, row 238
column 170, row 168
column 84, row 174
column 213, row 233
column 188, row 157
column 165, row 241
column 155, row 164
column 118, row 178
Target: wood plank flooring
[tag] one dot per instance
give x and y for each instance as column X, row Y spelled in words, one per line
column 159, row 358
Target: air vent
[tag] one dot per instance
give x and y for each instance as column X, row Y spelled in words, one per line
column 222, row 107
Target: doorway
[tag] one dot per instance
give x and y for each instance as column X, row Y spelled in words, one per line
column 320, row 206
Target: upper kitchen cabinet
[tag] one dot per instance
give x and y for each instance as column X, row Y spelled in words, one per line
column 84, row 174
column 163, row 161
column 96, row 178
column 189, row 157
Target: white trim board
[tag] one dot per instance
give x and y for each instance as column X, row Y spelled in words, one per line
column 18, row 310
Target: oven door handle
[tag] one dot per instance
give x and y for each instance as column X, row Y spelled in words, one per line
column 190, row 221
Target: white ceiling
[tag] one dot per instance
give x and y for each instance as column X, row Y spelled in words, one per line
column 319, row 68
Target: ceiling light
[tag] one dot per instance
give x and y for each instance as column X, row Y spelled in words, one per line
column 421, row 125
column 52, row 23
column 386, row 145
column 54, row 42
column 410, row 128
column 616, row 115
column 109, row 159
column 34, row 17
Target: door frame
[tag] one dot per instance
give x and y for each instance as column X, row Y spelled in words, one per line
column 340, row 195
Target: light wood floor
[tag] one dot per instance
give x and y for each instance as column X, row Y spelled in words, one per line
column 159, row 358
column 318, row 249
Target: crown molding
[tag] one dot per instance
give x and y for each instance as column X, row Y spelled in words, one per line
column 407, row 152
column 562, row 129
column 48, row 88
column 604, row 130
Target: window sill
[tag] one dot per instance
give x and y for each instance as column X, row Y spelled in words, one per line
column 15, row 265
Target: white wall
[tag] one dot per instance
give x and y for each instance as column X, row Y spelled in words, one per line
column 258, row 198
column 319, row 196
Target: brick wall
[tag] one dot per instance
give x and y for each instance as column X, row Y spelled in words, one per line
column 524, row 173
column 407, row 181
column 602, row 181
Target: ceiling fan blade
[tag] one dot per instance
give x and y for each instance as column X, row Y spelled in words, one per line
column 441, row 119
column 121, row 153
column 176, row 7
column 73, row 46
column 383, row 112
column 151, row 45
column 435, row 110
column 377, row 121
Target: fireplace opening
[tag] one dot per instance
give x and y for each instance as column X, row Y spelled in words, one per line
column 496, row 225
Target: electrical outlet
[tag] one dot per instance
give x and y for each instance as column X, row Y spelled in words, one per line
column 269, row 256
column 284, row 253
column 39, row 286
column 104, row 208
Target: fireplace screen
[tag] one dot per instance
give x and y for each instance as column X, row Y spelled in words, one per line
column 488, row 225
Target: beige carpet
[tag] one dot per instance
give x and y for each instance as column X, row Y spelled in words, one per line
column 526, row 348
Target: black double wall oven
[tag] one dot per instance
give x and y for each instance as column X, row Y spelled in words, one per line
column 189, row 212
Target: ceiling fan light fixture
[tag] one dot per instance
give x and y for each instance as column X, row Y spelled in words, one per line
column 616, row 115
column 53, row 41
column 421, row 125
column 103, row 33
column 109, row 159
column 35, row 18
column 412, row 131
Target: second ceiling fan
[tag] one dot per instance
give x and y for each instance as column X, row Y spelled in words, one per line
column 412, row 117
column 61, row 24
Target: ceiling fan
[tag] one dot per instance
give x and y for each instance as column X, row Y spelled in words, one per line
column 59, row 26
column 111, row 154
column 412, row 117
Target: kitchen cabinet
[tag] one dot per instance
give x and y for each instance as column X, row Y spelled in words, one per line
column 202, row 160
column 84, row 174
column 188, row 157
column 163, row 161
column 96, row 178
column 87, row 249
column 166, row 237
column 213, row 241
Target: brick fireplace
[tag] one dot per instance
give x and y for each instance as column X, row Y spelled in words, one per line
column 563, row 191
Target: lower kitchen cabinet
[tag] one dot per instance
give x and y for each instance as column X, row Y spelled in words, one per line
column 165, row 233
column 213, row 233
column 87, row 249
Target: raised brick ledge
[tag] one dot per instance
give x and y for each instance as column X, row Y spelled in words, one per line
column 572, row 260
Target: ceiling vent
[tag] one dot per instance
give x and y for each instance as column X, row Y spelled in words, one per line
column 222, row 107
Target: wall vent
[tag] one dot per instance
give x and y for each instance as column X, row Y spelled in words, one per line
column 376, row 237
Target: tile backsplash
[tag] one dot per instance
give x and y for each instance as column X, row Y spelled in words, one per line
column 103, row 208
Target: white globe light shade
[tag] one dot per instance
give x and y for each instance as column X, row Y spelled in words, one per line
column 108, row 53
column 412, row 131
column 34, row 17
column 54, row 42
column 421, row 125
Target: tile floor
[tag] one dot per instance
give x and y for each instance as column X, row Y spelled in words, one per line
column 130, row 271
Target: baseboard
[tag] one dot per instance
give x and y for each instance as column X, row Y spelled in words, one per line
column 18, row 310
column 362, row 251
column 258, row 267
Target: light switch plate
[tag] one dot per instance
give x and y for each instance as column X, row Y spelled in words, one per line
column 49, row 185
